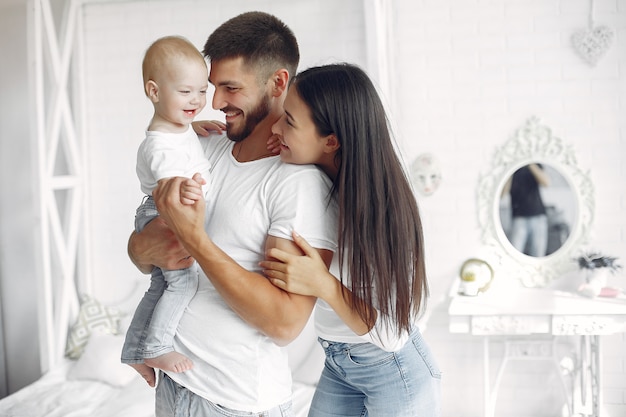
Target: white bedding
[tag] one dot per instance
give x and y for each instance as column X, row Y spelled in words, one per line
column 98, row 385
column 54, row 396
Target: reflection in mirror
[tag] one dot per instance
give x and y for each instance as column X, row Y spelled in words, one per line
column 542, row 169
column 537, row 209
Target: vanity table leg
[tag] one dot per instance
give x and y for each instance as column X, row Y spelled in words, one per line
column 488, row 410
column 491, row 392
column 540, row 348
column 595, row 374
column 589, row 399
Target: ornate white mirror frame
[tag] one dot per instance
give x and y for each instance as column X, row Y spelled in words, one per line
column 533, row 142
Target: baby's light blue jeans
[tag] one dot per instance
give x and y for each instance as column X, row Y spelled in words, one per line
column 152, row 329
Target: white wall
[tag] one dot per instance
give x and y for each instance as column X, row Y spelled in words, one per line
column 18, row 290
column 467, row 74
column 470, row 72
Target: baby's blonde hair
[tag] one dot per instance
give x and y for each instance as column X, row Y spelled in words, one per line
column 165, row 53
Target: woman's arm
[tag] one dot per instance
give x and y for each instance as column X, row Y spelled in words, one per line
column 308, row 275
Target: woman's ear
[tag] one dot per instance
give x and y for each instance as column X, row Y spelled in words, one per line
column 152, row 91
column 332, row 143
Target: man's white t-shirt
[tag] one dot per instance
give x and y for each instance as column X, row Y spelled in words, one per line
column 235, row 365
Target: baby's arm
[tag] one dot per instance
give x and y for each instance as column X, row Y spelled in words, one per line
column 204, row 127
column 191, row 189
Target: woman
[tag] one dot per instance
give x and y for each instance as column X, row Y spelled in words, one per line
column 377, row 363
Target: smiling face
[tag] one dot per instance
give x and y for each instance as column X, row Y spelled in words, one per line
column 238, row 93
column 300, row 141
column 178, row 94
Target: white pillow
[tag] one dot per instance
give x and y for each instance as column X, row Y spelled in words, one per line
column 100, row 361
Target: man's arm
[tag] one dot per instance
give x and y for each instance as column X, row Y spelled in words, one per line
column 274, row 312
column 157, row 245
column 278, row 314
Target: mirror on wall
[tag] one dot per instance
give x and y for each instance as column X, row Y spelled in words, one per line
column 537, row 209
column 535, row 205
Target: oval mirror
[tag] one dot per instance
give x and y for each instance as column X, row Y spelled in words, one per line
column 537, row 209
column 535, row 205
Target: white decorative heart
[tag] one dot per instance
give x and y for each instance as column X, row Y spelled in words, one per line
column 591, row 44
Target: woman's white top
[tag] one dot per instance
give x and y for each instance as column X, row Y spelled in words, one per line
column 330, row 326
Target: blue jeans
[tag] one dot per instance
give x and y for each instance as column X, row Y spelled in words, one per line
column 174, row 400
column 530, row 233
column 152, row 329
column 361, row 380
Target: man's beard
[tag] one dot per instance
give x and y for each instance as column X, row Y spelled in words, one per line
column 251, row 120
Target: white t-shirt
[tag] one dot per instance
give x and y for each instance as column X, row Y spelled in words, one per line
column 163, row 155
column 235, row 365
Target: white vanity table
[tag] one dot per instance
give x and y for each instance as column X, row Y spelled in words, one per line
column 529, row 321
column 523, row 311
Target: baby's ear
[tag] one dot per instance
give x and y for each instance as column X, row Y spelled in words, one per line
column 332, row 143
column 152, row 91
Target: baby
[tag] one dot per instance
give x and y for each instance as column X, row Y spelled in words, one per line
column 175, row 80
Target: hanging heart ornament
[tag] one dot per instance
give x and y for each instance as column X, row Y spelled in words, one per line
column 592, row 43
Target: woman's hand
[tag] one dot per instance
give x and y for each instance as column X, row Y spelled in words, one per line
column 300, row 274
column 308, row 275
column 273, row 144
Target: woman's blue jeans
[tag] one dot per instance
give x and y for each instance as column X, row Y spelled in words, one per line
column 361, row 380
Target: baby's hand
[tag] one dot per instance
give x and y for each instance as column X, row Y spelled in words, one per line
column 204, row 127
column 273, row 144
column 191, row 190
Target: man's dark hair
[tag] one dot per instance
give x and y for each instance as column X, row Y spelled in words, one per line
column 262, row 40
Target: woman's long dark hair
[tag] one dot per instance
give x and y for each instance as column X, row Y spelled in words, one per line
column 380, row 231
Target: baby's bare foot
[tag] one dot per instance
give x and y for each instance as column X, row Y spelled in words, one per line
column 146, row 372
column 171, row 361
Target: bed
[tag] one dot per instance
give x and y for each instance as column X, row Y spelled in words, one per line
column 90, row 381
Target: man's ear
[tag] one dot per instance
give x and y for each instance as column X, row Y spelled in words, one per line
column 332, row 143
column 280, row 82
column 152, row 91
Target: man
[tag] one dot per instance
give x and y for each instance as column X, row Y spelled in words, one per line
column 237, row 321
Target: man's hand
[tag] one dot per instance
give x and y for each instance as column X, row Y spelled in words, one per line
column 157, row 245
column 185, row 221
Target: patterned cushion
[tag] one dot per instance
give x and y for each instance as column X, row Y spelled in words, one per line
column 92, row 316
